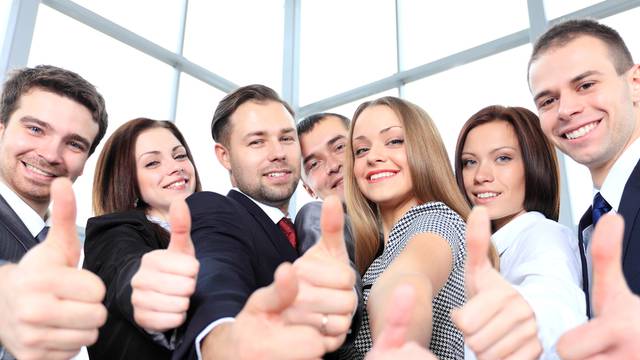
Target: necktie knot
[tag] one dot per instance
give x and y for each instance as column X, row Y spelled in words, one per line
column 600, row 207
column 42, row 234
column 289, row 231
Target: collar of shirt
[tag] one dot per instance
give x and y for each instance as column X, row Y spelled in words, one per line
column 29, row 217
column 507, row 234
column 616, row 180
column 273, row 213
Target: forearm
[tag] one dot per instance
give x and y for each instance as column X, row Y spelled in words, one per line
column 379, row 305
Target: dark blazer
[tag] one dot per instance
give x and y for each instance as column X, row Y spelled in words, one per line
column 15, row 238
column 113, row 250
column 630, row 210
column 239, row 249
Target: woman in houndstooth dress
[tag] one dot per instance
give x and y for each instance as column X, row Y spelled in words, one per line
column 407, row 216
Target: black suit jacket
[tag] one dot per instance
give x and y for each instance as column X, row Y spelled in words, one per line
column 630, row 210
column 239, row 249
column 114, row 246
column 15, row 238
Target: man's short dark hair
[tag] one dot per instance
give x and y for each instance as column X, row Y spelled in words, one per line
column 220, row 128
column 564, row 32
column 307, row 124
column 58, row 81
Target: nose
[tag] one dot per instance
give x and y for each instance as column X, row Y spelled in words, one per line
column 276, row 151
column 334, row 164
column 569, row 105
column 483, row 174
column 375, row 155
column 51, row 151
column 176, row 167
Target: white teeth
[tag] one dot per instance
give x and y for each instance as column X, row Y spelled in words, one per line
column 581, row 131
column 36, row 170
column 276, row 174
column 381, row 175
column 486, row 195
column 176, row 184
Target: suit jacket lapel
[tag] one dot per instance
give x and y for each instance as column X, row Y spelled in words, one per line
column 15, row 226
column 272, row 230
column 585, row 221
column 629, row 206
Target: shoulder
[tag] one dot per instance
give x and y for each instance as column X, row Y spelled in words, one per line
column 542, row 235
column 434, row 217
column 135, row 219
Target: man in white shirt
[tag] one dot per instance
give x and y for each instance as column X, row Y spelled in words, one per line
column 587, row 91
column 51, row 120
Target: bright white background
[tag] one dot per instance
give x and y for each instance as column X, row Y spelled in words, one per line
column 343, row 44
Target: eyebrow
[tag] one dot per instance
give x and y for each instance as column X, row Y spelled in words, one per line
column 154, row 152
column 262, row 132
column 492, row 151
column 381, row 131
column 45, row 125
column 574, row 80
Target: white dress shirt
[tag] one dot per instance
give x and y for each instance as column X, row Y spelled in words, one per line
column 540, row 258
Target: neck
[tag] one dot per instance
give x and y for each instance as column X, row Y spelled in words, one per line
column 391, row 215
column 600, row 172
column 158, row 213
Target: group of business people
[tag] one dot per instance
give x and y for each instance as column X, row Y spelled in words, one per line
column 393, row 263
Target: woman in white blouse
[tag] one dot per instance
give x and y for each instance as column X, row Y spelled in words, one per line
column 504, row 162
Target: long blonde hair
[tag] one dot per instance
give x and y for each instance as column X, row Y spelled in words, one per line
column 431, row 175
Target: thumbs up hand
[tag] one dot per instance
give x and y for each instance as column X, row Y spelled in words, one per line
column 326, row 297
column 166, row 279
column 392, row 342
column 49, row 309
column 614, row 332
column 497, row 321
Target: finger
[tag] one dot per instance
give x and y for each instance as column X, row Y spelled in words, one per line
column 336, row 325
column 477, row 312
column 606, row 253
column 158, row 321
column 63, row 234
column 325, row 300
column 158, row 302
column 571, row 345
column 47, row 311
column 522, row 336
column 164, row 283
column 78, row 285
column 180, row 219
column 276, row 297
column 330, row 274
column 478, row 240
column 394, row 333
column 331, row 225
column 67, row 340
column 169, row 262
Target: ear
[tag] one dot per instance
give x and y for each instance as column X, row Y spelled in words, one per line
column 309, row 190
column 634, row 83
column 223, row 156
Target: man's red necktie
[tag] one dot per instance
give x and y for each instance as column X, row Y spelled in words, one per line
column 289, row 231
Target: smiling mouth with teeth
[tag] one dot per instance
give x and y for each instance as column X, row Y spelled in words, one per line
column 38, row 171
column 381, row 175
column 178, row 184
column 580, row 132
column 487, row 195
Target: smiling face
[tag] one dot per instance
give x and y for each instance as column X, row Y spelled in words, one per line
column 47, row 136
column 493, row 171
column 164, row 171
column 586, row 108
column 263, row 156
column 380, row 165
column 323, row 157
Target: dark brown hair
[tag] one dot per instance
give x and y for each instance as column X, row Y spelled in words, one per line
column 115, row 183
column 541, row 179
column 430, row 169
column 58, row 81
column 561, row 34
column 220, row 127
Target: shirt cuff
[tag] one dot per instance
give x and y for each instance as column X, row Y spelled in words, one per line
column 206, row 332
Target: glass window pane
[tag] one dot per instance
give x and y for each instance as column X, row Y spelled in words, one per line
column 5, row 10
column 238, row 40
column 555, row 9
column 132, row 83
column 626, row 23
column 433, row 30
column 196, row 103
column 345, row 44
column 158, row 21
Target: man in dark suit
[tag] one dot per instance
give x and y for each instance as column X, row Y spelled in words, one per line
column 240, row 239
column 587, row 91
column 51, row 120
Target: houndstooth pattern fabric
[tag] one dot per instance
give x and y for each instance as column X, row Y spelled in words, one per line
column 434, row 217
